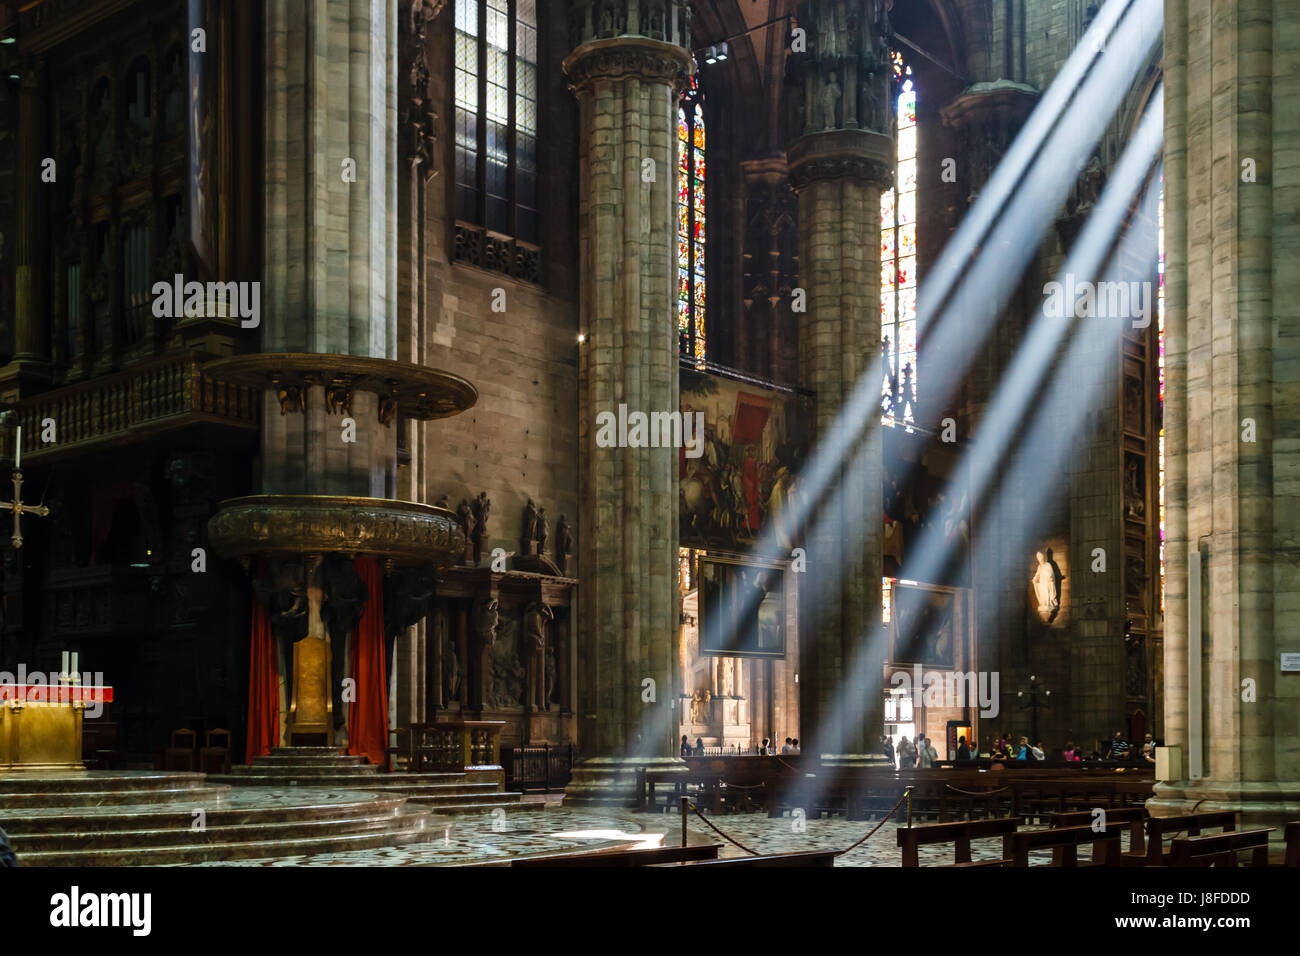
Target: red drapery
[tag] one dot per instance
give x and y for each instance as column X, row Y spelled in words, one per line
column 368, row 713
column 263, row 686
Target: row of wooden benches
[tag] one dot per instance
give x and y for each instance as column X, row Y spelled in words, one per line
column 1069, row 831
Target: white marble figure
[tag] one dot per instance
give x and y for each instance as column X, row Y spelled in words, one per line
column 1045, row 589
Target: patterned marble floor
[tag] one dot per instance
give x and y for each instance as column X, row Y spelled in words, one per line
column 495, row 838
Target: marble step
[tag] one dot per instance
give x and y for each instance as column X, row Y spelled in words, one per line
column 410, row 827
column 303, row 770
column 168, row 836
column 127, row 780
column 242, row 807
column 97, row 798
column 308, row 760
column 458, row 809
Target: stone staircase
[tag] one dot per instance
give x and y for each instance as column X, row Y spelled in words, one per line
column 142, row 818
column 479, row 790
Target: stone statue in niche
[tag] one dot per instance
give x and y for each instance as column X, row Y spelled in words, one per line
column 700, row 706
column 543, row 530
column 1046, row 583
column 482, row 510
column 830, row 100
column 552, row 669
column 529, row 533
column 1133, row 404
column 486, row 620
column 450, row 664
column 563, row 544
column 465, row 518
column 1134, row 499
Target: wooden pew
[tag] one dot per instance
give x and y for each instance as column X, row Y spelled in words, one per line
column 1292, row 844
column 626, row 858
column 1064, row 843
column 1135, row 817
column 910, row 839
column 1221, row 849
column 1160, row 827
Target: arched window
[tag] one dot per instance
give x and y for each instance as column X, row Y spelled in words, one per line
column 495, row 76
column 690, row 226
column 898, row 276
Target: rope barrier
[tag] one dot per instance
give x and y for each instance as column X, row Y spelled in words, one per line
column 710, row 825
column 883, row 820
column 975, row 793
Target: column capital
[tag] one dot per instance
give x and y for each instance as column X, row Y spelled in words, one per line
column 622, row 57
column 842, row 154
column 615, row 39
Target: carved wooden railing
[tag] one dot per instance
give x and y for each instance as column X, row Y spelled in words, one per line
column 156, row 395
column 455, row 746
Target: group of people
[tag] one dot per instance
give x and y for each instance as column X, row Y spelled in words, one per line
column 921, row 753
column 909, row 754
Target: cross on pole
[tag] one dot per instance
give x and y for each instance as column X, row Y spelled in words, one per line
column 19, row 509
column 16, row 506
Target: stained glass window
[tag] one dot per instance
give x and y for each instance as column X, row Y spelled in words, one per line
column 898, row 274
column 495, row 79
column 1160, row 375
column 691, row 292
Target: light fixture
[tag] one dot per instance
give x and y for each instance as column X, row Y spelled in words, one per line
column 582, row 337
column 722, row 51
column 712, row 55
column 9, row 40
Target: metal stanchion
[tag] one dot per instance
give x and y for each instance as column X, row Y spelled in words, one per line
column 908, row 794
column 686, row 803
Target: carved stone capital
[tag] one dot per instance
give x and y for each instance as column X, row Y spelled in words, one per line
column 842, row 154
column 627, row 57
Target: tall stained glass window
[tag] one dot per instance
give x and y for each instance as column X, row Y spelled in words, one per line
column 1160, row 375
column 495, row 77
column 898, row 264
column 690, row 225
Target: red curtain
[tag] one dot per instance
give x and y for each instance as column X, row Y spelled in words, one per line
column 263, row 687
column 368, row 714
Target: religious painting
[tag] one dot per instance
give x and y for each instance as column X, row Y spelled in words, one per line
column 743, row 477
column 924, row 626
column 926, row 507
column 742, row 608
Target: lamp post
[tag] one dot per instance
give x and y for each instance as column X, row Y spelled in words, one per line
column 1032, row 699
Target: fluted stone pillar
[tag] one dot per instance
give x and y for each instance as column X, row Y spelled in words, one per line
column 626, row 69
column 330, row 280
column 32, row 319
column 1232, row 355
column 839, row 166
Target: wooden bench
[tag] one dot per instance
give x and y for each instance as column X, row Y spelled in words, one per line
column 910, row 839
column 626, row 858
column 809, row 858
column 1135, row 817
column 1221, row 849
column 708, row 788
column 1158, row 828
column 1064, row 842
column 1292, row 844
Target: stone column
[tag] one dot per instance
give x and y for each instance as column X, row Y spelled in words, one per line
column 1232, row 320
column 330, row 277
column 32, row 317
column 627, row 67
column 838, row 168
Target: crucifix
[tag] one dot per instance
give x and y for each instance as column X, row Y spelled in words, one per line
column 17, row 506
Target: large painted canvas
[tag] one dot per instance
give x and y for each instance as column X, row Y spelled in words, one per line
column 742, row 608
column 755, row 441
column 924, row 631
